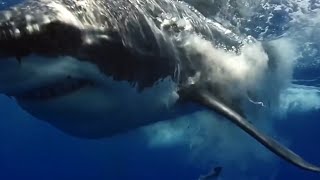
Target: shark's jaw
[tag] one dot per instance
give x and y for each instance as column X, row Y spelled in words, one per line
column 77, row 98
column 59, row 89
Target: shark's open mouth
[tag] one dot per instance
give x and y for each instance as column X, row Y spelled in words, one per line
column 57, row 89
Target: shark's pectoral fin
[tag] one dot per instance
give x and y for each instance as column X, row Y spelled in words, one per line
column 203, row 97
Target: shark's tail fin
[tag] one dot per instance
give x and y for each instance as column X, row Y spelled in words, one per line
column 203, row 97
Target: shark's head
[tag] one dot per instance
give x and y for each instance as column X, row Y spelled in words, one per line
column 75, row 75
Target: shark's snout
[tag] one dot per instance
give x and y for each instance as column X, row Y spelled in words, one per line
column 32, row 44
column 49, row 41
column 26, row 29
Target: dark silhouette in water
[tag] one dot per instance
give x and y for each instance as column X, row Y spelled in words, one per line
column 212, row 175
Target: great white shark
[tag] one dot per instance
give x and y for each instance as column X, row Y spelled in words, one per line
column 97, row 68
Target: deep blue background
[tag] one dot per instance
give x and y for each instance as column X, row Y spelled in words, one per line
column 32, row 149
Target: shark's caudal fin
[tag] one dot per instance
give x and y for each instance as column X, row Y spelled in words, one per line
column 204, row 98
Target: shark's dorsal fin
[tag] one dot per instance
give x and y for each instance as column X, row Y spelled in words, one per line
column 205, row 98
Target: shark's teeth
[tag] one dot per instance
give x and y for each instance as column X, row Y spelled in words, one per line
column 60, row 88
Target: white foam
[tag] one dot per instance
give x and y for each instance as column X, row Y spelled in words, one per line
column 237, row 73
column 300, row 99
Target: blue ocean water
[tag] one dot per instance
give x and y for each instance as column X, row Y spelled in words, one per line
column 32, row 149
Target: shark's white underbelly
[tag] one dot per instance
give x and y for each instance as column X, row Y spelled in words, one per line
column 107, row 111
column 76, row 97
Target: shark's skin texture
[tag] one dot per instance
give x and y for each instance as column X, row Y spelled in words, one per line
column 97, row 68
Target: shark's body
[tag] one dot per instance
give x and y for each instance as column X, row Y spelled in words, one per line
column 96, row 68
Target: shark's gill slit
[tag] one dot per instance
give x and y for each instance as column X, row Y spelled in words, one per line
column 203, row 97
